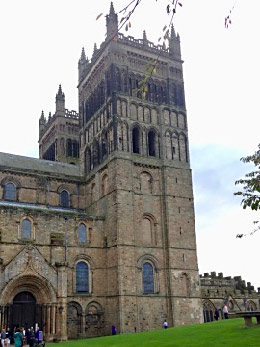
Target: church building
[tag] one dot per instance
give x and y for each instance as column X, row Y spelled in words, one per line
column 100, row 230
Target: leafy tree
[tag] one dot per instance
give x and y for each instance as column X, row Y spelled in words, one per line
column 250, row 192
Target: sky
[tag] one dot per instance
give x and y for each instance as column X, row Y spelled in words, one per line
column 41, row 43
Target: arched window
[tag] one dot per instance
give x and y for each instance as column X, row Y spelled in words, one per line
column 104, row 146
column 74, row 317
column 148, row 278
column 82, row 277
column 88, row 161
column 62, row 146
column 183, row 148
column 208, row 311
column 186, row 285
column 92, row 192
column 146, row 182
column 136, row 140
column 26, row 229
column 75, row 149
column 147, row 231
column 251, row 306
column 104, row 185
column 151, row 143
column 10, row 192
column 69, row 148
column 82, row 233
column 95, row 153
column 94, row 316
column 64, row 199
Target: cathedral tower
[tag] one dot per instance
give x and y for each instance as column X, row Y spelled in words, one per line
column 59, row 135
column 134, row 154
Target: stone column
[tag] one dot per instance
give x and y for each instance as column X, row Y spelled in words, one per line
column 53, row 329
column 62, row 301
column 1, row 316
column 83, row 324
column 56, row 322
column 48, row 322
column 44, row 328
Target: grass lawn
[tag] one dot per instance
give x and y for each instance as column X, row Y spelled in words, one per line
column 224, row 333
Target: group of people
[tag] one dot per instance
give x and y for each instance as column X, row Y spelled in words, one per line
column 224, row 310
column 216, row 316
column 20, row 337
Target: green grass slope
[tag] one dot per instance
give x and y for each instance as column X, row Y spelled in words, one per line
column 228, row 333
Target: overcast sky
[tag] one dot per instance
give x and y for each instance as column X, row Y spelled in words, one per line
column 41, row 42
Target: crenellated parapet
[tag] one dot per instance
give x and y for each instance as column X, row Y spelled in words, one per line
column 217, row 289
column 45, row 123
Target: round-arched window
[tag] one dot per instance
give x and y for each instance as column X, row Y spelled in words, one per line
column 10, row 192
column 148, row 278
column 26, row 228
column 82, row 277
column 64, row 199
column 82, row 233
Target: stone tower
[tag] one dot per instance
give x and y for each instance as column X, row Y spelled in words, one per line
column 134, row 154
column 109, row 240
column 59, row 135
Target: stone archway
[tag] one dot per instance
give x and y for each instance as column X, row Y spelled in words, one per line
column 74, row 320
column 30, row 299
column 208, row 311
column 24, row 311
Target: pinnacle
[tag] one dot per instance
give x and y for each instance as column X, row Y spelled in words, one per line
column 83, row 55
column 60, row 90
column 112, row 10
column 144, row 35
column 172, row 31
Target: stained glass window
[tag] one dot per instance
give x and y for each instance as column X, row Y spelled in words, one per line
column 148, row 278
column 82, row 277
column 10, row 192
column 26, row 229
column 64, row 198
column 82, row 233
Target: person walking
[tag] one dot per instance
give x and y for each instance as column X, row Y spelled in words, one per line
column 165, row 324
column 113, row 330
column 3, row 337
column 18, row 338
column 225, row 311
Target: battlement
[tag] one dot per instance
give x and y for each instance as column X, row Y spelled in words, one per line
column 71, row 114
column 173, row 51
column 226, row 283
column 45, row 124
column 143, row 44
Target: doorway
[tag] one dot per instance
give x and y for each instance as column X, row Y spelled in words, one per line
column 24, row 311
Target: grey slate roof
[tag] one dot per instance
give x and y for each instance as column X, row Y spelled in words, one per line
column 18, row 162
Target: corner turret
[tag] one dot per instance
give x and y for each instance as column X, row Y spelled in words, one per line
column 145, row 41
column 82, row 64
column 42, row 123
column 112, row 23
column 60, row 103
column 174, row 44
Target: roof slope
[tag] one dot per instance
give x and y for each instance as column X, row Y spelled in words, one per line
column 18, row 162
